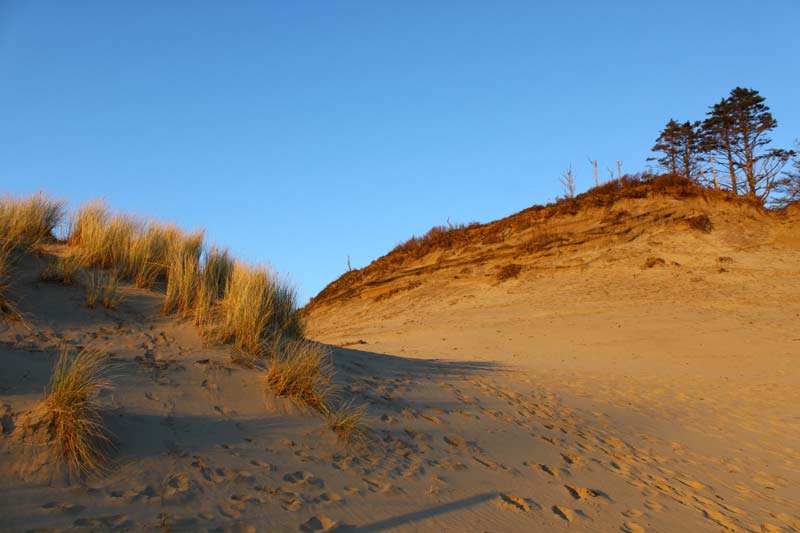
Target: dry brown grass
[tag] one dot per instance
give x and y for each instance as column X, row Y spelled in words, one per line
column 183, row 275
column 63, row 269
column 26, row 223
column 301, row 371
column 7, row 308
column 72, row 403
column 347, row 421
column 102, row 287
column 256, row 309
column 214, row 275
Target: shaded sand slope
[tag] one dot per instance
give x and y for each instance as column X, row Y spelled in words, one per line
column 640, row 372
column 201, row 447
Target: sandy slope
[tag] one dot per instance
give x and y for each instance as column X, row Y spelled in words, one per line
column 590, row 393
column 609, row 395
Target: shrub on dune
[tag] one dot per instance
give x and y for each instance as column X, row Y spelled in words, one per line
column 74, row 412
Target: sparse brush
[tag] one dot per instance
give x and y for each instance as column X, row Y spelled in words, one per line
column 63, row 269
column 72, row 401
column 347, row 421
column 27, row 223
column 301, row 371
column 214, row 275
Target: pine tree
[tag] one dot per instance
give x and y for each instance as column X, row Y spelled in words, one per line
column 669, row 145
column 737, row 131
column 681, row 146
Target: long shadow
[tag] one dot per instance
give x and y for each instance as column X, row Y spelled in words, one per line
column 392, row 366
column 424, row 514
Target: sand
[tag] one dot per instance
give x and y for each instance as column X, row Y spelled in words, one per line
column 607, row 396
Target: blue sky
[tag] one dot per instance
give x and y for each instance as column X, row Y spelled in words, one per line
column 303, row 132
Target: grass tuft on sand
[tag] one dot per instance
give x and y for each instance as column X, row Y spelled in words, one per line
column 347, row 421
column 303, row 372
column 26, row 223
column 72, row 403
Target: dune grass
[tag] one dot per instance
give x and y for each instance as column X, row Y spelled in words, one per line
column 102, row 287
column 183, row 275
column 216, row 269
column 63, row 269
column 247, row 310
column 71, row 400
column 7, row 307
column 27, row 223
column 303, row 372
column 347, row 421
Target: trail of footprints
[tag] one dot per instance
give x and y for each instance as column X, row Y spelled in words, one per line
column 405, row 454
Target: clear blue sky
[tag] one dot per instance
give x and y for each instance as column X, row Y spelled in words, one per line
column 304, row 132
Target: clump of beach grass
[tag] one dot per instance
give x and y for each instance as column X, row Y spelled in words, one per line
column 27, row 223
column 246, row 312
column 183, row 271
column 72, row 404
column 102, row 287
column 303, row 372
column 347, row 421
column 216, row 269
column 63, row 269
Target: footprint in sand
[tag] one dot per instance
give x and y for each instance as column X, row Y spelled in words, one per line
column 319, row 523
column 69, row 508
column 261, row 464
column 580, row 493
column 563, row 513
column 653, row 505
column 179, row 487
column 453, row 441
column 516, row 503
column 631, row 527
column 549, row 470
column 304, row 478
column 373, row 485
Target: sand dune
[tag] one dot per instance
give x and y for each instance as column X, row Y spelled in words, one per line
column 648, row 384
column 637, row 372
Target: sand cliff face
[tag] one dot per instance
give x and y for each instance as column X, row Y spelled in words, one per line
column 651, row 342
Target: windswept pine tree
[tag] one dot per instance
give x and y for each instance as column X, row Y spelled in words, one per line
column 736, row 131
column 681, row 147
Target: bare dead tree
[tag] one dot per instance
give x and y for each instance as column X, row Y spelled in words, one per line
column 594, row 167
column 567, row 180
